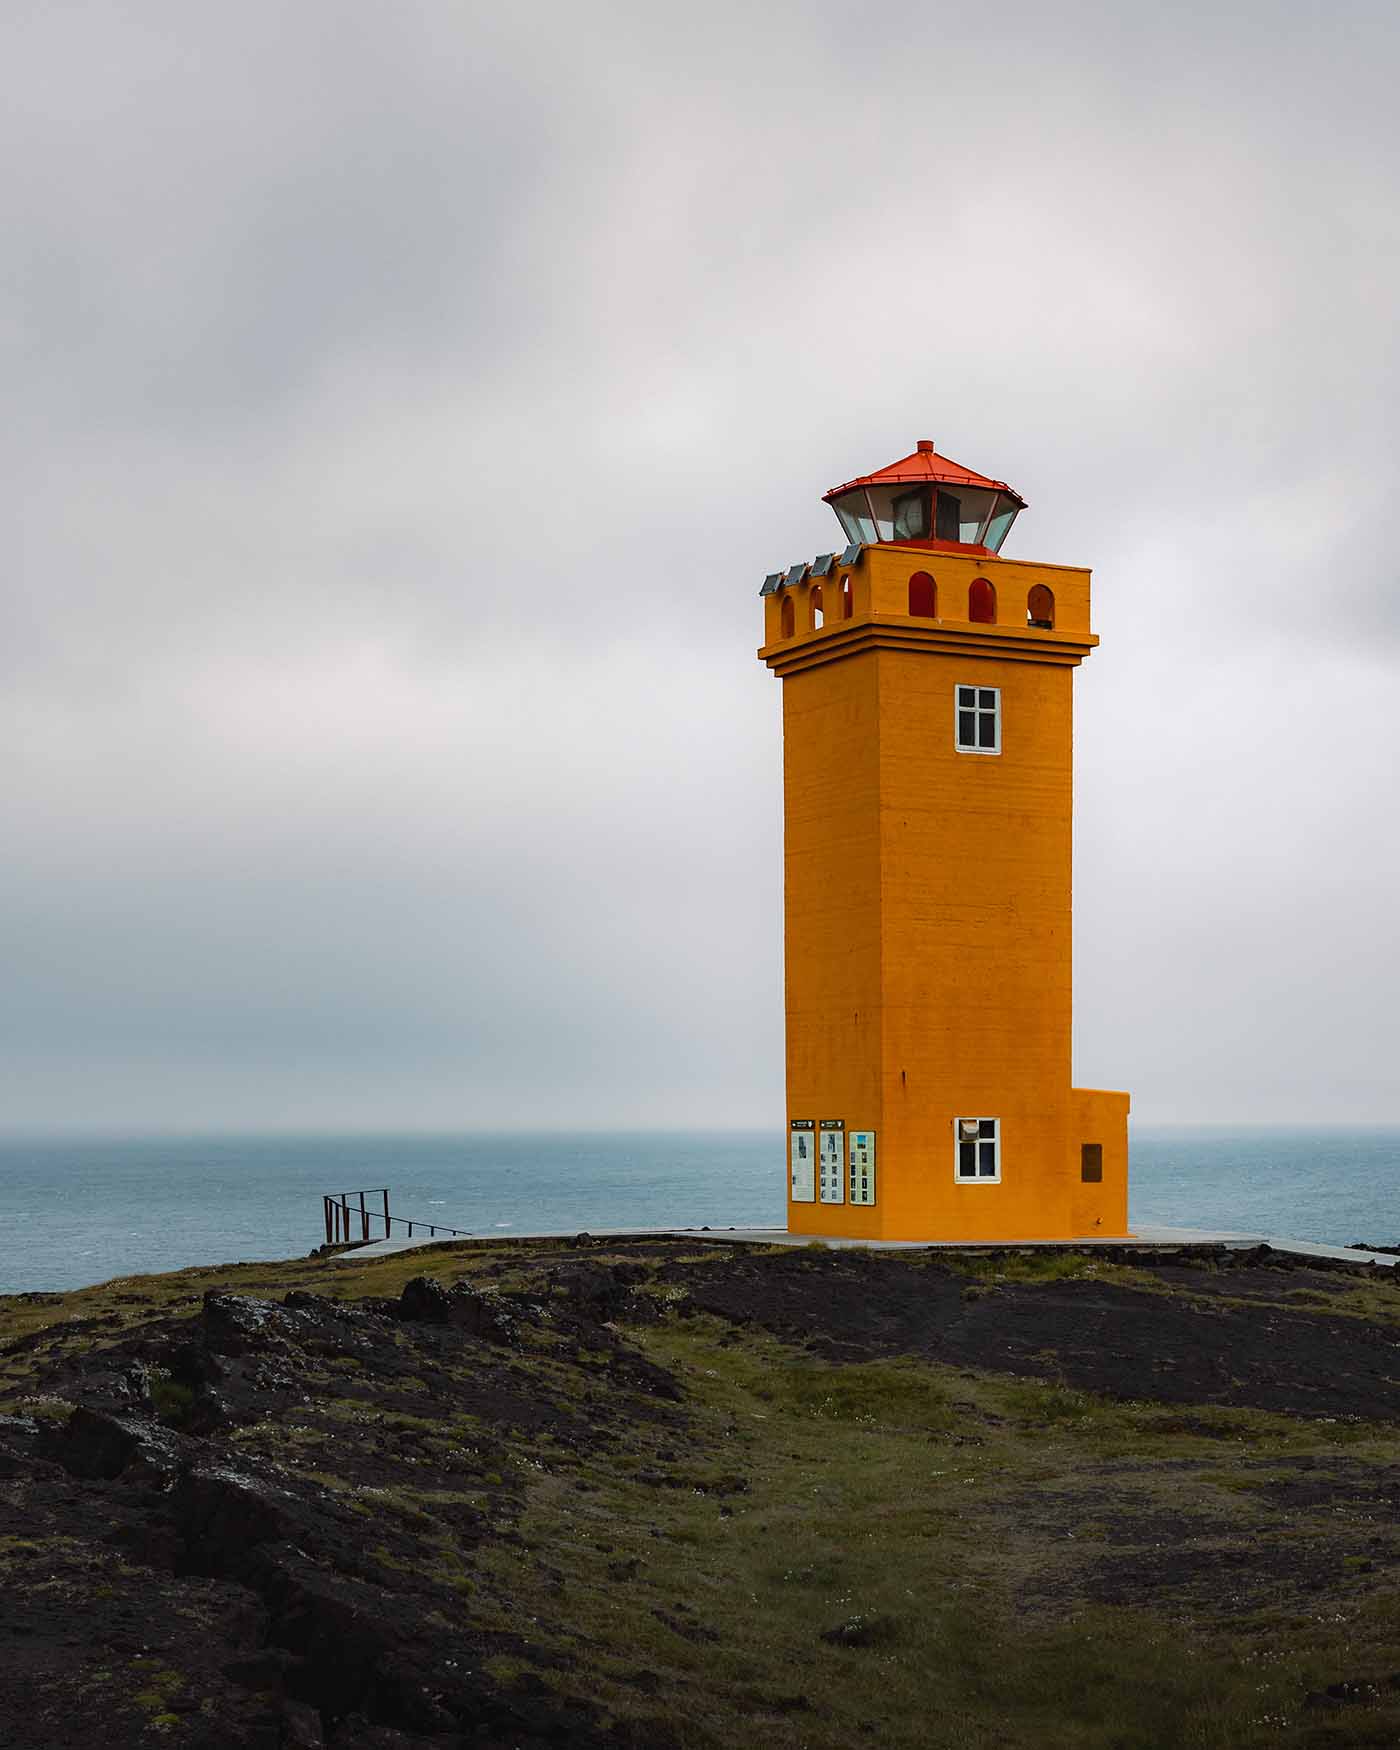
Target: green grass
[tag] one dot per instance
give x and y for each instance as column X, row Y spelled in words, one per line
column 948, row 1529
column 905, row 1497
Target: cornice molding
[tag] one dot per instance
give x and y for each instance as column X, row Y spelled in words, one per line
column 887, row 632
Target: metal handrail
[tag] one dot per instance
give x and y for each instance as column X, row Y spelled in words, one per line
column 342, row 1216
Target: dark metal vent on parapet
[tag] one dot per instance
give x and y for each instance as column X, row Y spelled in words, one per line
column 822, row 566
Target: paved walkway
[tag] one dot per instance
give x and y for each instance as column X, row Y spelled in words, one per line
column 1145, row 1235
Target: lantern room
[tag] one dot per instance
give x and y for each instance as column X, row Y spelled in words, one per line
column 927, row 501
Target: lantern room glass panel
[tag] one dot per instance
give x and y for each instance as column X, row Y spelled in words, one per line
column 882, row 500
column 999, row 527
column 853, row 513
column 912, row 514
column 974, row 510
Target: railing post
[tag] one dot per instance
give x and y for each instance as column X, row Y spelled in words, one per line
column 349, row 1217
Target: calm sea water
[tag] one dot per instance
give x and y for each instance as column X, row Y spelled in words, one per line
column 74, row 1212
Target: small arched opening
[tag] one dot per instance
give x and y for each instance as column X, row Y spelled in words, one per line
column 981, row 602
column 814, row 608
column 923, row 596
column 786, row 621
column 847, row 603
column 1040, row 608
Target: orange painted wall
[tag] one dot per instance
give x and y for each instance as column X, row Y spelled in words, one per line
column 927, row 901
column 832, row 911
column 1101, row 1116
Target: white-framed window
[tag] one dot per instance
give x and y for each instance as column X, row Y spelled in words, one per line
column 977, row 719
column 977, row 1151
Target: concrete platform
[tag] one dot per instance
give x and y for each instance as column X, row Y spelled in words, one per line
column 1145, row 1235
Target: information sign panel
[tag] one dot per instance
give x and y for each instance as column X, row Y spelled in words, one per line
column 804, row 1161
column 831, row 1152
column 862, row 1158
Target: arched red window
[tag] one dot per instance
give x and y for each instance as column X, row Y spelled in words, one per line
column 847, row 605
column 981, row 602
column 786, row 617
column 1040, row 607
column 814, row 608
column 923, row 596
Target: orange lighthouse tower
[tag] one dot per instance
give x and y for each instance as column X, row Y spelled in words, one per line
column 927, row 791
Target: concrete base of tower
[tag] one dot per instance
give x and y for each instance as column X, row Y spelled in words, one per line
column 1165, row 1238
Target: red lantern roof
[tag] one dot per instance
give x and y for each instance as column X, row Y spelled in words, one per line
column 924, row 465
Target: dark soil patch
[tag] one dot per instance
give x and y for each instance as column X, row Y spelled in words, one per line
column 1346, row 1487
column 1276, row 1281
column 1094, row 1335
column 1229, row 1580
column 1312, row 1526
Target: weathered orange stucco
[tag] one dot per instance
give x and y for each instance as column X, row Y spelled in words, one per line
column 927, row 896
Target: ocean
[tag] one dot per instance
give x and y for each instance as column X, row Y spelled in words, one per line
column 74, row 1211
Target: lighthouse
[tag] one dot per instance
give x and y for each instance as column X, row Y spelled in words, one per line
column 927, row 701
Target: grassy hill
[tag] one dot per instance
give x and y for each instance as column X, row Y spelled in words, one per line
column 661, row 1493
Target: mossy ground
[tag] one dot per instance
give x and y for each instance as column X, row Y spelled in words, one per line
column 825, row 1541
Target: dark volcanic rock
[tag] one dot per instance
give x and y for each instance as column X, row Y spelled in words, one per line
column 424, row 1300
column 91, row 1444
column 222, row 1516
column 287, row 1565
column 236, row 1323
column 599, row 1291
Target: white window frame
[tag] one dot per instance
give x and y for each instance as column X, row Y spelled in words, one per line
column 994, row 1139
column 979, row 711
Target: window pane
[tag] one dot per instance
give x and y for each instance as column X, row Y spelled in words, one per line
column 967, row 696
column 967, row 729
column 967, row 1160
column 882, row 503
column 986, row 730
column 974, row 504
column 946, row 523
column 987, row 1159
column 854, row 515
column 987, row 698
column 988, row 1127
column 1000, row 524
column 911, row 515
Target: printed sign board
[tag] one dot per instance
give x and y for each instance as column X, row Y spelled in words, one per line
column 831, row 1150
column 804, row 1161
column 862, row 1159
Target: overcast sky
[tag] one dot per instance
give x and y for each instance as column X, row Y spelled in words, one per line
column 404, row 404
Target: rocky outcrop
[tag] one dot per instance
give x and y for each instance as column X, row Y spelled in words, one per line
column 220, row 1505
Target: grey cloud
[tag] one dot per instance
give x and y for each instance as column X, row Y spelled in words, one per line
column 404, row 408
